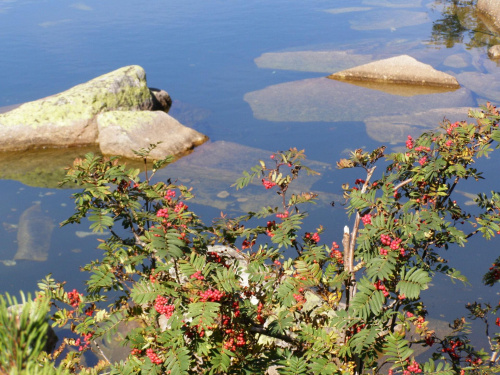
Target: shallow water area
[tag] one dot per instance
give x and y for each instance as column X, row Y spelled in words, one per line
column 251, row 76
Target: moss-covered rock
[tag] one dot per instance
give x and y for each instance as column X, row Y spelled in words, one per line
column 68, row 118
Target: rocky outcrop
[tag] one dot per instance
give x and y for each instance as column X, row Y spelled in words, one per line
column 402, row 69
column 70, row 118
column 490, row 12
column 120, row 132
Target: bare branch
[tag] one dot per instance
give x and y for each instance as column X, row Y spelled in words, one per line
column 401, row 184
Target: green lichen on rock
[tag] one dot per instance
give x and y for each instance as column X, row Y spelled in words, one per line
column 127, row 120
column 122, row 89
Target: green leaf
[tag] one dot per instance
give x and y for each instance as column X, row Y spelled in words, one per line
column 293, row 366
column 413, row 282
column 364, row 339
column 178, row 361
column 382, row 267
column 203, row 314
column 367, row 301
column 397, row 349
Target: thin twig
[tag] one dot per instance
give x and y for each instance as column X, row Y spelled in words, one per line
column 100, row 351
column 403, row 183
column 266, row 332
column 354, row 234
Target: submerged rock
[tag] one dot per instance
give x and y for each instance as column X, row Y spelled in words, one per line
column 213, row 167
column 484, row 85
column 323, row 99
column 402, row 69
column 347, row 10
column 40, row 168
column 388, row 19
column 396, row 128
column 34, row 235
column 312, row 61
column 394, row 3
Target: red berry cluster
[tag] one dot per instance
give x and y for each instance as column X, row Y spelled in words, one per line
column 452, row 347
column 236, row 307
column 495, row 271
column 83, row 345
column 197, row 275
column 236, row 340
column 247, row 244
column 169, row 195
column 394, row 244
column 385, row 239
column 152, row 277
column 260, row 318
column 450, row 128
column 214, row 257
column 136, row 352
column 299, row 298
column 313, row 238
column 211, row 295
column 268, row 184
column 422, row 149
column 335, row 253
column 356, row 328
column 409, row 142
column 413, row 368
column 283, row 215
column 153, row 356
column 183, row 237
column 180, row 207
column 162, row 306
column 430, row 340
column 162, row 212
column 359, row 181
column 367, row 219
column 380, row 286
column 74, row 298
column 271, row 226
column 474, row 361
column 90, row 310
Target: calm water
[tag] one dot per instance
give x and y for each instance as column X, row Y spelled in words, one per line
column 204, row 54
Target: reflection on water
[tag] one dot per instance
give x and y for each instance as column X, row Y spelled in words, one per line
column 461, row 24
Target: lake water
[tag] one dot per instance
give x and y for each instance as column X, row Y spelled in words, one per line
column 247, row 74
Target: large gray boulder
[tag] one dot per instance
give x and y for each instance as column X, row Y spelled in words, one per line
column 402, row 69
column 120, row 132
column 70, row 118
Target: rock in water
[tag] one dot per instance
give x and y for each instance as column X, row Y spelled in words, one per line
column 402, row 69
column 33, row 236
